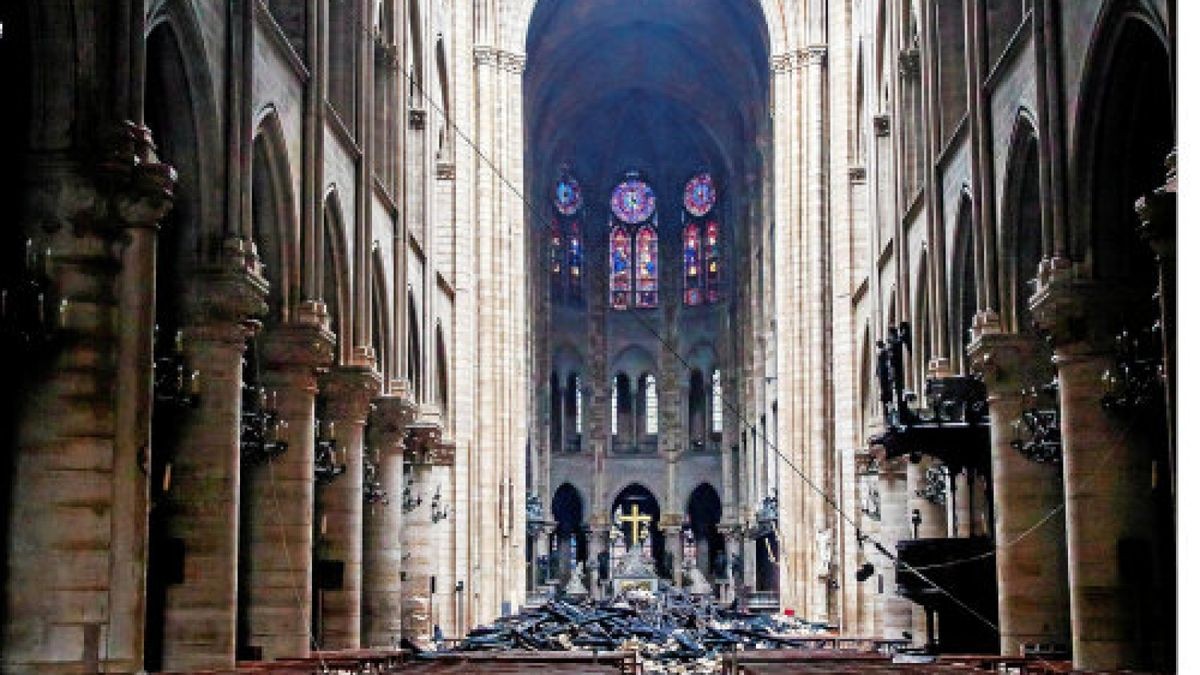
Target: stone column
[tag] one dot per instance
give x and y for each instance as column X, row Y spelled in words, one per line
column 674, row 544
column 1031, row 572
column 381, row 603
column 281, row 494
column 201, row 613
column 1111, row 531
column 423, row 538
column 348, row 393
column 896, row 526
column 597, row 535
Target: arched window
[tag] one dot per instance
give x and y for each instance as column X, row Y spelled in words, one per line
column 613, row 417
column 556, row 255
column 620, row 268
column 718, row 408
column 647, row 267
column 712, row 261
column 691, row 265
column 575, row 263
column 651, row 404
column 578, row 404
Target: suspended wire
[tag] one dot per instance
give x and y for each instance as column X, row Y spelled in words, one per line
column 533, row 211
column 726, row 402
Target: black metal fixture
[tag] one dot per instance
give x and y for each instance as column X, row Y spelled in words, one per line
column 28, row 313
column 935, row 486
column 1036, row 434
column 767, row 515
column 262, row 428
column 438, row 510
column 409, row 503
column 954, row 427
column 176, row 383
column 535, row 514
column 916, row 523
column 330, row 456
column 1135, row 383
column 373, row 492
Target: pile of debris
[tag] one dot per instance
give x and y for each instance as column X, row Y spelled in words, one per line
column 672, row 631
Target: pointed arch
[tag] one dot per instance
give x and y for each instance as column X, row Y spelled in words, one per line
column 963, row 278
column 1023, row 236
column 620, row 267
column 415, row 363
column 381, row 333
column 442, row 368
column 335, row 281
column 274, row 215
column 692, row 279
column 647, row 267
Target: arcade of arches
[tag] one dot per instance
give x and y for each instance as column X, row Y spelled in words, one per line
column 335, row 321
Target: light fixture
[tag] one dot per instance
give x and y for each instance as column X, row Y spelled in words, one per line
column 1135, row 382
column 438, row 510
column 330, row 457
column 373, row 492
column 176, row 384
column 26, row 305
column 1036, row 433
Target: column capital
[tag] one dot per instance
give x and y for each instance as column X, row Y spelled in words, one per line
column 349, row 391
column 671, row 520
column 304, row 347
column 226, row 292
column 1005, row 361
column 1079, row 317
column 390, row 419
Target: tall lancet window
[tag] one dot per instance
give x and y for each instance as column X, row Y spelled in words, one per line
column 647, row 267
column 651, row 406
column 574, row 263
column 718, row 407
column 701, row 247
column 691, row 265
column 632, row 205
column 620, row 268
column 712, row 261
column 613, row 416
column 568, row 199
column 578, row 406
column 556, row 254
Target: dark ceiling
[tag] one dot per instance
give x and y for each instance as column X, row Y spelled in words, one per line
column 663, row 86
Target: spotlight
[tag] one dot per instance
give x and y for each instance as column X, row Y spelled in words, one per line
column 865, row 572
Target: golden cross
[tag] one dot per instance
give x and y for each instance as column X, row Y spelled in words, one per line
column 635, row 519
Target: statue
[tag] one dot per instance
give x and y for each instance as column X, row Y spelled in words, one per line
column 825, row 552
column 738, row 570
column 543, row 569
column 602, row 565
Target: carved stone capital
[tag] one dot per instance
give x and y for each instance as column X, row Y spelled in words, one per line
column 298, row 346
column 1005, row 361
column 671, row 520
column 226, row 292
column 423, row 444
column 348, row 393
column 389, row 422
column 486, row 55
column 1079, row 317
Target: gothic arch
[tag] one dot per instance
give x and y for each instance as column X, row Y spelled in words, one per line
column 964, row 278
column 1021, row 228
column 274, row 224
column 1120, row 22
column 381, row 333
column 182, row 22
column 336, row 272
column 508, row 24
